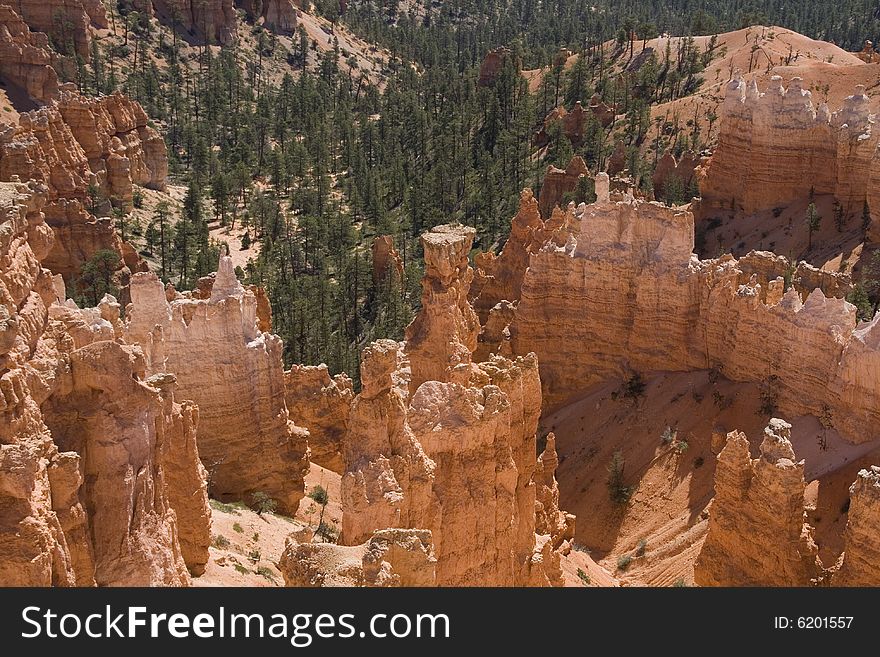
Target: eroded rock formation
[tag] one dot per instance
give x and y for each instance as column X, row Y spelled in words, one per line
column 444, row 334
column 674, row 175
column 26, row 60
column 74, row 143
column 619, row 275
column 233, row 372
column 67, row 21
column 96, row 464
column 204, row 21
column 386, row 260
column 388, row 480
column 320, row 403
column 491, row 66
column 391, row 557
column 278, row 15
column 757, row 535
column 558, row 182
column 861, row 554
column 774, row 147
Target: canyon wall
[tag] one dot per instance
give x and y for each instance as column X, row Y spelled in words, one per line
column 757, row 535
column 26, row 61
column 67, row 22
column 201, row 21
column 861, row 554
column 774, row 147
column 616, row 290
column 97, row 463
column 72, row 144
column 233, row 372
column 320, row 403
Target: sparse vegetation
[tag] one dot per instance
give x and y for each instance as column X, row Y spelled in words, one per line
column 233, row 509
column 321, row 497
column 583, row 577
column 623, row 562
column 769, row 396
column 220, row 542
column 237, row 528
column 669, row 434
column 641, row 548
column 262, row 503
column 634, row 387
column 619, row 492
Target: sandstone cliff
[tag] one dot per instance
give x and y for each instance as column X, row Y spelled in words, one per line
column 26, row 60
column 444, row 333
column 619, row 275
column 757, row 535
column 320, row 403
column 233, row 372
column 96, row 465
column 491, row 66
column 861, row 555
column 774, row 147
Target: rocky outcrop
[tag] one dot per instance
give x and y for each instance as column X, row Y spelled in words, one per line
column 861, row 554
column 549, row 518
column 122, row 150
column 26, row 61
column 321, row 404
column 499, row 278
column 203, row 21
column 674, row 174
column 558, row 182
column 278, row 15
column 88, row 449
column 233, row 372
column 67, row 22
column 491, row 66
column 386, row 260
column 867, row 54
column 444, row 334
column 388, row 480
column 619, row 275
column 391, row 557
column 573, row 124
column 72, row 144
column 106, row 414
column 185, row 477
column 757, row 535
column 774, row 147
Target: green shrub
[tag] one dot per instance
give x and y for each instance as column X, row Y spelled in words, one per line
column 641, row 548
column 237, row 528
column 617, row 490
column 220, row 542
column 623, row 561
column 584, row 577
column 262, row 503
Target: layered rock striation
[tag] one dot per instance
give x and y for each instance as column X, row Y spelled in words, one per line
column 96, row 463
column 233, row 372
column 757, row 535
column 202, row 21
column 616, row 289
column 775, row 147
column 26, row 61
